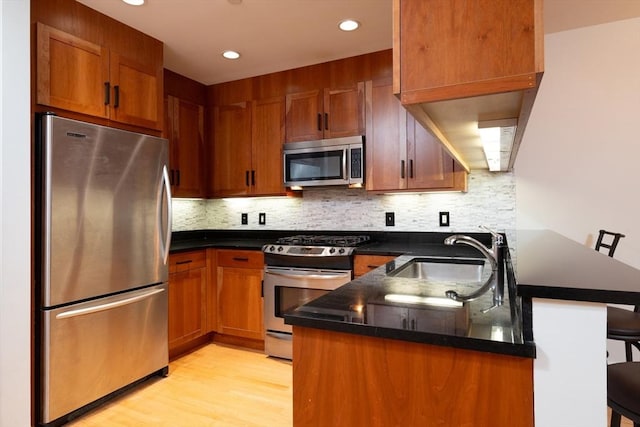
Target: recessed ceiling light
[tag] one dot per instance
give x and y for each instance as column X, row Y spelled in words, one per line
column 134, row 2
column 231, row 54
column 349, row 25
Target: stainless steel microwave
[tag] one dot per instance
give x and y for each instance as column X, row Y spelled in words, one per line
column 336, row 161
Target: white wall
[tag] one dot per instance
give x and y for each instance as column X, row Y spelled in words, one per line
column 577, row 168
column 15, row 228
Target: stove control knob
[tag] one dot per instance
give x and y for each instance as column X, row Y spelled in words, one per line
column 341, row 250
column 280, row 248
column 271, row 249
column 332, row 250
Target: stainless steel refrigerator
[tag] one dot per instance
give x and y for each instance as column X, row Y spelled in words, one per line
column 103, row 229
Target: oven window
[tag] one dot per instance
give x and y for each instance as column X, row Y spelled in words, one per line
column 315, row 166
column 288, row 299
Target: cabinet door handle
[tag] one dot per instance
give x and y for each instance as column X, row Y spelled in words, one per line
column 188, row 261
column 116, row 96
column 246, row 178
column 402, row 169
column 411, row 168
column 172, row 179
column 238, row 258
column 326, row 121
column 319, row 121
column 107, row 93
column 413, row 324
column 178, row 177
column 253, row 177
column 404, row 323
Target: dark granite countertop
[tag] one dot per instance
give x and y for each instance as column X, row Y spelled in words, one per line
column 368, row 306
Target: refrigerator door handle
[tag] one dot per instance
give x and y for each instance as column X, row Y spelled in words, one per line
column 166, row 183
column 107, row 306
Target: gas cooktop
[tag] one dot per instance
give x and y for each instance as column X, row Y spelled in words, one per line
column 322, row 240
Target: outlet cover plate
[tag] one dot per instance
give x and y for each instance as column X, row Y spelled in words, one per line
column 262, row 218
column 444, row 219
column 244, row 219
column 390, row 219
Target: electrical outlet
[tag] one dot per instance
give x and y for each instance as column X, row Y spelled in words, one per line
column 444, row 219
column 244, row 219
column 262, row 218
column 390, row 219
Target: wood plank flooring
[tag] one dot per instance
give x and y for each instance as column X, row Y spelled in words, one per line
column 214, row 386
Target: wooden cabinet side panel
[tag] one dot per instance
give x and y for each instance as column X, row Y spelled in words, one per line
column 267, row 136
column 71, row 73
column 357, row 380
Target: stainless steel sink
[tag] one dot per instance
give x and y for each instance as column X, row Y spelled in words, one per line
column 435, row 269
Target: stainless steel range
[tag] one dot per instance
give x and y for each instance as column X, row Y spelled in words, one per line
column 298, row 269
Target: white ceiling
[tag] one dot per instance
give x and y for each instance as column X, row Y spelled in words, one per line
column 275, row 35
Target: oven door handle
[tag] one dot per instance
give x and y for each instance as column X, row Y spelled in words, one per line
column 329, row 276
column 280, row 335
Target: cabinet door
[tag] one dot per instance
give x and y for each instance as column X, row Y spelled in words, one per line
column 72, row 73
column 428, row 165
column 186, row 306
column 240, row 302
column 344, row 111
column 185, row 130
column 386, row 135
column 304, row 116
column 137, row 92
column 388, row 316
column 267, row 136
column 232, row 150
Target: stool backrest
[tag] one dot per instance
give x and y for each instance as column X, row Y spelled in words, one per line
column 608, row 240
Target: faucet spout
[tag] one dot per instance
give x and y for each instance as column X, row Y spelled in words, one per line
column 490, row 254
column 495, row 257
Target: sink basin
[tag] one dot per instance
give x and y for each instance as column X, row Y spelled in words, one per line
column 434, row 269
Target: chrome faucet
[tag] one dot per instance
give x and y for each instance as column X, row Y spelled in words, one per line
column 495, row 257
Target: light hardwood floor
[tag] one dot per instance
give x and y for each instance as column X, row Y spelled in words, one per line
column 214, row 386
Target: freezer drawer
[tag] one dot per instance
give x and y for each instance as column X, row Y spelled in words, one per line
column 94, row 348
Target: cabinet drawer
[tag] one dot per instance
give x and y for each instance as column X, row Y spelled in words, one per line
column 365, row 263
column 240, row 259
column 184, row 261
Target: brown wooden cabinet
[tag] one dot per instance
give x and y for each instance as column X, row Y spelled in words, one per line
column 325, row 113
column 187, row 302
column 239, row 296
column 459, row 62
column 80, row 76
column 401, row 153
column 247, row 149
column 185, row 131
column 362, row 264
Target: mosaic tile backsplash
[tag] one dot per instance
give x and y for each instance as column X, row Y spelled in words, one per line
column 490, row 201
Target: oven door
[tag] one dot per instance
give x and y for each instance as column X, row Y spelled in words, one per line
column 285, row 289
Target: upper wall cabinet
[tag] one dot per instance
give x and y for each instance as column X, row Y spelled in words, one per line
column 460, row 62
column 247, row 148
column 77, row 75
column 402, row 154
column 185, row 131
column 328, row 113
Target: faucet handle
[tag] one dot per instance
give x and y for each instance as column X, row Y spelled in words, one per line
column 497, row 236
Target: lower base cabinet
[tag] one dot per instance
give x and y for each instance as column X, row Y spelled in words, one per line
column 187, row 302
column 239, row 296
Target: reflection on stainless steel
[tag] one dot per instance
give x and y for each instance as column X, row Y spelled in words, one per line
column 441, row 269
